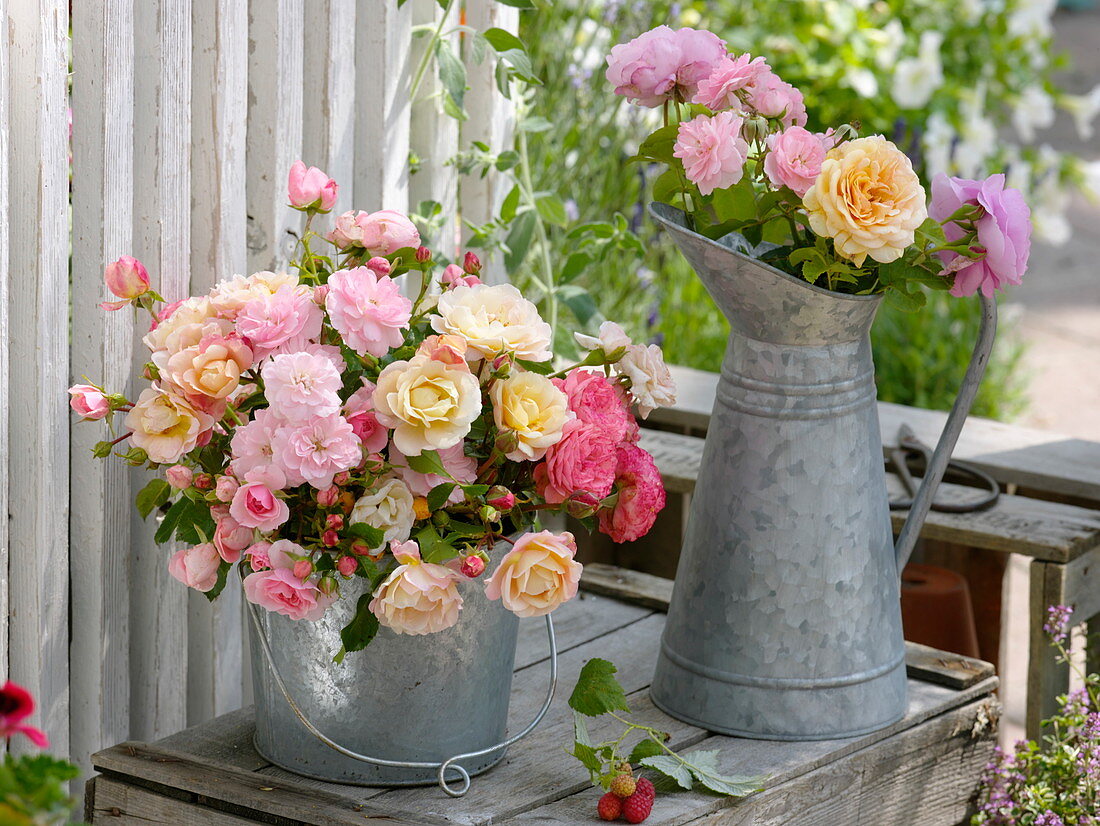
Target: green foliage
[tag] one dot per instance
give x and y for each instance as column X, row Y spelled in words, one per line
column 597, row 693
column 33, row 790
column 152, row 496
column 358, row 633
column 190, row 522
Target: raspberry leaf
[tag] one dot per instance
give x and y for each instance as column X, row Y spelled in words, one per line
column 597, row 691
column 670, row 766
column 703, row 766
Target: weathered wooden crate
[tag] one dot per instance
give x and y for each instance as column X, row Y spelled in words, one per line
column 921, row 770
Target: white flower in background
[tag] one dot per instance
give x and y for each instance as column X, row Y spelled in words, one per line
column 1033, row 111
column 937, row 142
column 1018, row 173
column 593, row 44
column 977, row 137
column 887, row 42
column 1091, row 186
column 1032, row 18
column 863, row 81
column 972, row 10
column 1050, row 198
column 916, row 78
column 1084, row 109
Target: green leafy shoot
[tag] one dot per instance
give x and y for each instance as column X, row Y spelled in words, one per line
column 597, row 691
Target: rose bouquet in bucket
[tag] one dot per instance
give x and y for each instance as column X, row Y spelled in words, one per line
column 369, row 438
column 798, row 236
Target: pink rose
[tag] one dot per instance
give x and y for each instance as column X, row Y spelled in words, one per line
column 359, row 411
column 300, row 386
column 598, row 402
column 379, row 266
column 729, row 76
column 316, row 451
column 179, row 476
column 775, row 98
column 255, row 506
column 283, row 322
column 310, row 188
column 1004, row 231
column 663, row 64
column 472, row 566
column 447, row 348
column 367, row 310
column 127, row 278
column 196, row 567
column 418, row 597
column 252, row 446
column 641, row 496
column 257, row 555
column 537, row 575
column 280, row 591
column 712, row 150
column 379, row 233
column 88, row 402
column 453, row 275
column 230, row 538
column 463, row 469
column 794, row 158
column 584, row 460
column 225, row 487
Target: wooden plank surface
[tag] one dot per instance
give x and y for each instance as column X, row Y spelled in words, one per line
column 38, row 423
column 922, row 662
column 1016, row 524
column 122, row 804
column 5, row 384
column 101, row 350
column 1041, row 460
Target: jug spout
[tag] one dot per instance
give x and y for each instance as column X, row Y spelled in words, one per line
column 933, row 474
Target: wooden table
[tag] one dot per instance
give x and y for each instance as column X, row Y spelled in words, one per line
column 921, row 770
column 1062, row 537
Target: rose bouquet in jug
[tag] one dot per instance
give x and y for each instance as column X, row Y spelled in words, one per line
column 844, row 212
column 372, row 414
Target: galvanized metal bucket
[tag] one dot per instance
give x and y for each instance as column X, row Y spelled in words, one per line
column 406, row 710
column 785, row 620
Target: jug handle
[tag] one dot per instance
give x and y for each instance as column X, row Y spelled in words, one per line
column 934, row 473
column 442, row 768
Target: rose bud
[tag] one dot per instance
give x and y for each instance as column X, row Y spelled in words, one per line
column 179, row 476
column 328, row 585
column 360, row 548
column 320, row 293
column 379, row 266
column 328, row 497
column 330, row 538
column 341, row 478
column 225, row 487
column 501, row 498
column 302, row 568
column 334, row 521
column 423, row 254
column 374, row 462
column 310, row 188
column 127, row 278
column 204, row 481
column 489, row 514
column 347, row 565
column 471, row 264
column 88, row 402
column 472, row 566
column 581, row 505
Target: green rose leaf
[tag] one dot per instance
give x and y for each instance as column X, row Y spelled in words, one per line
column 368, row 533
column 437, row 496
column 428, row 462
column 358, row 633
column 219, row 586
column 597, row 691
column 152, row 496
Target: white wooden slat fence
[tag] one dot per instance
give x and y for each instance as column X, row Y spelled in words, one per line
column 186, row 115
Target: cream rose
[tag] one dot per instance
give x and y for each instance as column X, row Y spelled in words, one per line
column 418, row 597
column 165, row 425
column 429, row 404
column 531, row 407
column 651, row 383
column 537, row 575
column 868, row 200
column 194, row 310
column 388, row 506
column 493, row 319
column 230, row 295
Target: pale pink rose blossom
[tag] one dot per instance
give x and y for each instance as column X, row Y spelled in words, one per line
column 367, row 310
column 448, row 349
column 453, row 275
column 537, row 575
column 598, row 402
column 641, row 496
column 775, row 98
column 230, row 538
column 462, row 469
column 662, row 64
column 225, row 487
column 379, row 266
column 730, row 76
column 88, row 402
column 651, row 383
column 257, row 555
column 280, row 591
column 284, row 322
column 128, row 279
column 359, row 411
column 252, row 445
column 256, row 506
column 379, row 233
column 794, row 158
column 584, row 460
column 317, row 450
column 196, row 567
column 712, row 150
column 179, row 476
column 418, row 597
column 330, row 352
column 300, row 386
column 612, row 339
column 310, row 187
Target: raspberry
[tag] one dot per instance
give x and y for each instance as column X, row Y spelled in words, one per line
column 610, row 807
column 637, row 807
column 623, row 785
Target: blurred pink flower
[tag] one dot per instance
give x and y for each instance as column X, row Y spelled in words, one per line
column 662, row 64
column 16, row 705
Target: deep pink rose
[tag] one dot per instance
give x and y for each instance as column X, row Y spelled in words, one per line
column 359, row 411
column 641, row 496
column 712, row 150
column 663, row 64
column 196, row 567
column 256, row 506
column 794, row 158
column 310, row 187
column 1004, row 231
column 280, row 591
column 584, row 460
column 88, row 402
column 598, row 402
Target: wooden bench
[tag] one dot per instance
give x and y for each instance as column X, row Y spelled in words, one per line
column 1061, row 537
column 924, row 769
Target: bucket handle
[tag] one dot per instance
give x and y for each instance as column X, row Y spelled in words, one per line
column 452, row 762
column 937, row 466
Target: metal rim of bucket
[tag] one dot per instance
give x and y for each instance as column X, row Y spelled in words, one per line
column 451, row 763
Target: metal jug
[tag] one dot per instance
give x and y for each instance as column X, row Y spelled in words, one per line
column 785, row 620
